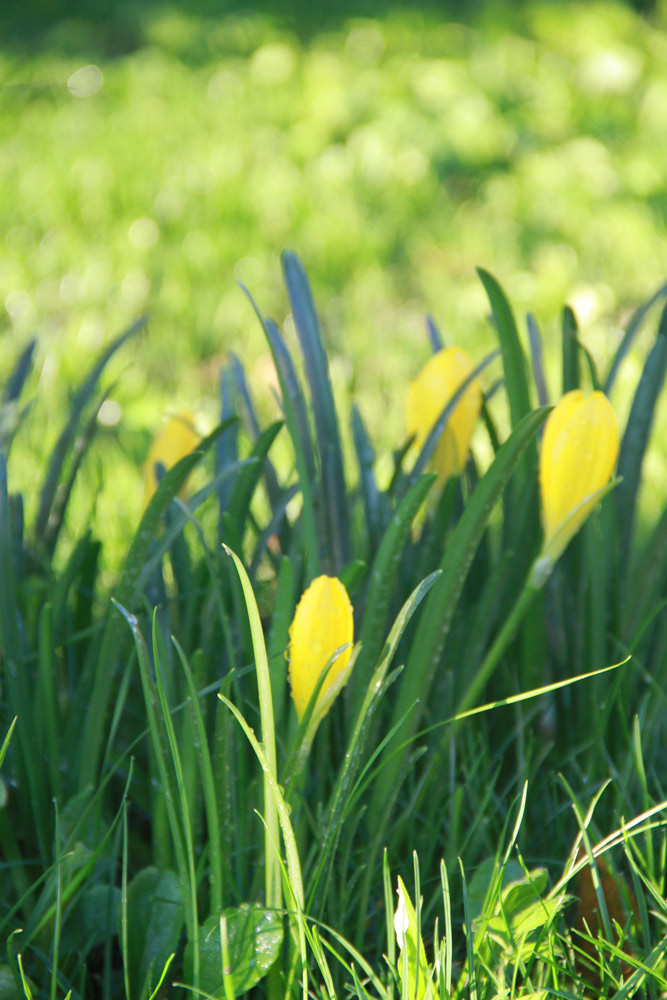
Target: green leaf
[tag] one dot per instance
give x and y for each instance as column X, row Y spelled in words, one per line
column 635, row 438
column 227, row 446
column 633, row 328
column 376, row 688
column 326, row 422
column 514, row 361
column 155, row 919
column 296, row 418
column 382, row 578
column 537, row 358
column 254, row 937
column 126, row 595
column 249, row 477
column 367, row 483
column 409, row 941
column 436, row 617
column 276, row 643
column 81, row 398
column 571, row 377
column 93, row 920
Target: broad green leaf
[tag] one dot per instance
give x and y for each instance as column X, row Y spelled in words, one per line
column 93, row 919
column 155, row 921
column 254, row 937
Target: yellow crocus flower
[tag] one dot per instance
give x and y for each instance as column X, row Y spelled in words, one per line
column 427, row 396
column 578, row 454
column 176, row 440
column 322, row 624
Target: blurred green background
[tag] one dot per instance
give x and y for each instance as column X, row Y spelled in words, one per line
column 154, row 154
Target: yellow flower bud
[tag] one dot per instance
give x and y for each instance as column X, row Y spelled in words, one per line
column 428, row 395
column 577, row 457
column 322, row 624
column 176, row 440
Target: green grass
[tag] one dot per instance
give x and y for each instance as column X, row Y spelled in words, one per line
column 495, row 755
column 167, row 817
column 395, row 154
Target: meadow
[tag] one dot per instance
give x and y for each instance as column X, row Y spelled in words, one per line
column 352, row 682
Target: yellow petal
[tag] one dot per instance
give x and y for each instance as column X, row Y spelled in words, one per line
column 428, row 395
column 322, row 624
column 578, row 454
column 176, row 440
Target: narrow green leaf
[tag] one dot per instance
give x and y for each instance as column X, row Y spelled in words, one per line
column 271, row 860
column 249, row 477
column 227, row 446
column 382, row 578
column 434, row 336
column 376, row 687
column 296, row 418
column 16, row 381
column 114, row 637
column 367, row 483
column 438, row 612
column 16, row 678
column 208, row 784
column 46, row 703
column 276, row 644
column 571, row 377
column 82, row 397
column 633, row 329
column 7, row 740
column 514, row 361
column 245, row 399
column 189, row 877
column 537, row 357
column 635, row 438
column 326, row 421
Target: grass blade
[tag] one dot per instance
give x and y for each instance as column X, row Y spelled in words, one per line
column 272, row 860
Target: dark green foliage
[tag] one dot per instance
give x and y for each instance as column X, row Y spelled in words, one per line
column 130, row 792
